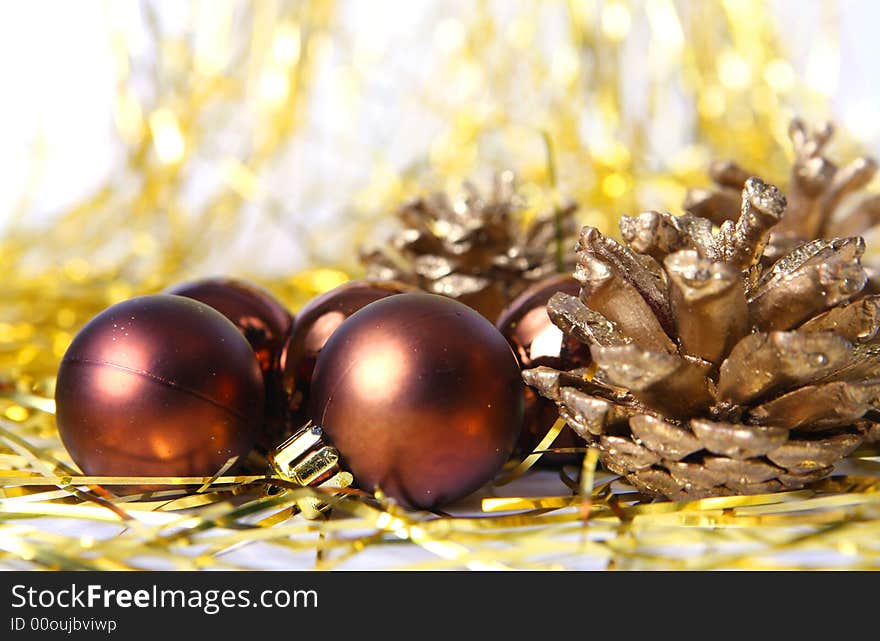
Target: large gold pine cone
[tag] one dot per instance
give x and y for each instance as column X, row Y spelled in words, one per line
column 715, row 375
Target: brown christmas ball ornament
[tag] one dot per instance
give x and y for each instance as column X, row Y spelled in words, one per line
column 314, row 325
column 158, row 386
column 421, row 396
column 266, row 325
column 537, row 341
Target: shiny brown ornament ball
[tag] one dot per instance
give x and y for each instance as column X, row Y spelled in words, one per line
column 158, row 386
column 314, row 325
column 266, row 325
column 421, row 395
column 537, row 341
column 263, row 320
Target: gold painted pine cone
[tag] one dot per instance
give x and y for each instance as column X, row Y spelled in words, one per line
column 476, row 249
column 713, row 374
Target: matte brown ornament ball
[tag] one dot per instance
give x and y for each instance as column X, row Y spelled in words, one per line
column 421, row 395
column 158, row 386
column 314, row 325
column 266, row 325
column 537, row 341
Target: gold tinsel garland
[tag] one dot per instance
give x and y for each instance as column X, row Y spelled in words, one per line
column 135, row 234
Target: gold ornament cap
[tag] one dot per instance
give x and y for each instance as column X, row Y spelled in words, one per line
column 306, row 460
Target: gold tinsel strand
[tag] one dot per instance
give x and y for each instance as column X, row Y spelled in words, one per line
column 500, row 93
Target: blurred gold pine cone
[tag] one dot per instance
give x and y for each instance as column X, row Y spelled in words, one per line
column 817, row 192
column 477, row 249
column 713, row 374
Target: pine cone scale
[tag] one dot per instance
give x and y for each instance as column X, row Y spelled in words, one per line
column 809, row 284
column 708, row 301
column 858, row 321
column 763, row 363
column 669, row 440
column 736, row 440
column 674, row 384
column 617, row 300
column 612, row 260
column 573, row 317
column 741, row 470
column 830, row 404
column 802, row 456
